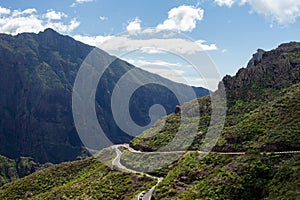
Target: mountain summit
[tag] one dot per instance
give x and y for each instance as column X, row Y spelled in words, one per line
column 37, row 73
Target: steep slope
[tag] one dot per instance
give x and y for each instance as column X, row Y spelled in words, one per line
column 18, row 168
column 263, row 108
column 250, row 176
column 37, row 73
column 263, row 116
column 272, row 126
column 265, row 123
column 84, row 179
column 276, row 69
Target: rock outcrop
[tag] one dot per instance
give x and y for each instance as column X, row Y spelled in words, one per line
column 276, row 69
column 256, row 58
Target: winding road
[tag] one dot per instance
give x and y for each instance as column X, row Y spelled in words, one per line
column 116, row 162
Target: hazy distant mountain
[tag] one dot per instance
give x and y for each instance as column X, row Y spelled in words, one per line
column 37, row 72
column 263, row 115
column 263, row 107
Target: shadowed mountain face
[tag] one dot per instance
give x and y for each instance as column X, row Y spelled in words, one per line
column 263, row 115
column 12, row 169
column 37, row 73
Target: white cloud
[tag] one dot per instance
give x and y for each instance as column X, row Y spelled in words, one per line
column 4, row 11
column 206, row 47
column 54, row 15
column 81, row 2
column 29, row 11
column 151, row 50
column 84, row 1
column 179, row 45
column 281, row 11
column 28, row 20
column 143, row 63
column 227, row 3
column 125, row 43
column 103, row 18
column 92, row 40
column 134, row 26
column 61, row 27
column 179, row 72
column 163, row 68
column 171, row 74
column 182, row 18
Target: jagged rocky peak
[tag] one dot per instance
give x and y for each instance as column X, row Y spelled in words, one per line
column 37, row 73
column 290, row 47
column 49, row 30
column 256, row 58
column 267, row 70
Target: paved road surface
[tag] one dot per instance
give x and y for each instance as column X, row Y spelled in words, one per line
column 116, row 162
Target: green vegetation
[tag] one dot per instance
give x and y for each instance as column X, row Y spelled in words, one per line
column 155, row 164
column 37, row 73
column 164, row 130
column 272, row 125
column 84, row 179
column 263, row 115
column 250, row 176
column 12, row 169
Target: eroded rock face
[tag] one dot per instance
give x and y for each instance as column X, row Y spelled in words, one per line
column 37, row 72
column 177, row 109
column 256, row 58
column 270, row 70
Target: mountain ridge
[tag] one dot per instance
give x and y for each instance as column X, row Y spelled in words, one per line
column 250, row 96
column 250, row 124
column 37, row 72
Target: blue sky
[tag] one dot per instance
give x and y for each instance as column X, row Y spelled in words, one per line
column 229, row 30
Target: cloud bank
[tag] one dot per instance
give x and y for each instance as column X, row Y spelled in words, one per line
column 182, row 18
column 81, row 2
column 227, row 3
column 282, row 12
column 134, row 26
column 28, row 20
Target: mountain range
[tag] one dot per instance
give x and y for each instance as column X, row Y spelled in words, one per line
column 256, row 155
column 37, row 74
column 262, row 107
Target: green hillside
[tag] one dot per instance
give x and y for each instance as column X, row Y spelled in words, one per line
column 252, row 158
column 263, row 115
column 250, row 176
column 84, row 179
column 37, row 74
column 263, row 109
column 12, row 169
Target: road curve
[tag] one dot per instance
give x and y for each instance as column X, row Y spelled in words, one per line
column 203, row 152
column 116, row 161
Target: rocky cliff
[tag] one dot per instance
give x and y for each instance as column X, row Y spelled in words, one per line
column 268, row 71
